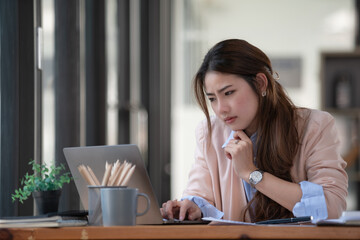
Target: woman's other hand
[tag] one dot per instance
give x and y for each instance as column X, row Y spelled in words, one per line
column 240, row 151
column 181, row 210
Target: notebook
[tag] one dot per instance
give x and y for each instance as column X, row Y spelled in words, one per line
column 96, row 157
column 59, row 219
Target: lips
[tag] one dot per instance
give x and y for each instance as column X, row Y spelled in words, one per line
column 229, row 120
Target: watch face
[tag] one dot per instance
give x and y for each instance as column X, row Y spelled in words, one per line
column 255, row 177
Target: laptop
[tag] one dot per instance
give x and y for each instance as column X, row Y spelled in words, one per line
column 96, row 157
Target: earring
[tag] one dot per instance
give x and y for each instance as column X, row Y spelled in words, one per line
column 263, row 93
column 277, row 77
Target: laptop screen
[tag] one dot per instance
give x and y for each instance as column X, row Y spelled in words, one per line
column 96, row 157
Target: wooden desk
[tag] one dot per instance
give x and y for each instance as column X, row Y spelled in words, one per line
column 188, row 232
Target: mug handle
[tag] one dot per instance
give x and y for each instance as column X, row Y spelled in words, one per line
column 148, row 204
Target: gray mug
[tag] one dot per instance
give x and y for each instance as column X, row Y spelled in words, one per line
column 119, row 205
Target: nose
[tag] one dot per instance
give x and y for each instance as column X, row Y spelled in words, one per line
column 223, row 107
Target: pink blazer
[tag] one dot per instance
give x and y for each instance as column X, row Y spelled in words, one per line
column 318, row 160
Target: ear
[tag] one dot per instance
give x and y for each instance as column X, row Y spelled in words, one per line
column 262, row 81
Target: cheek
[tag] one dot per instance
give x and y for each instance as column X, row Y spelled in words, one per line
column 247, row 105
column 242, row 102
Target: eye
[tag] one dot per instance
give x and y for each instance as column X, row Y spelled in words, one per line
column 211, row 99
column 229, row 93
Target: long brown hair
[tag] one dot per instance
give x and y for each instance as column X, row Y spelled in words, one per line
column 277, row 135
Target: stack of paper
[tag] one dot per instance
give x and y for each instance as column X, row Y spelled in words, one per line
column 225, row 222
column 347, row 218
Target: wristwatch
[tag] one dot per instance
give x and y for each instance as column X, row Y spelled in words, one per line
column 255, row 177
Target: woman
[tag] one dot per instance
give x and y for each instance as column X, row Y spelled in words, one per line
column 260, row 157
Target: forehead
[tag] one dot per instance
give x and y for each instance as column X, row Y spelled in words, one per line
column 216, row 80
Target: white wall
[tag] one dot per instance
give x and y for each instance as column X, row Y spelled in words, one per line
column 280, row 28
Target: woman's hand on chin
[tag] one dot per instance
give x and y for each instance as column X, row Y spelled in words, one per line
column 240, row 151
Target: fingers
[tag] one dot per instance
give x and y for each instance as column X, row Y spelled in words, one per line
column 240, row 140
column 185, row 209
column 169, row 209
column 241, row 135
column 189, row 210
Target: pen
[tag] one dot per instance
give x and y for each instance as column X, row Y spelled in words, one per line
column 286, row 220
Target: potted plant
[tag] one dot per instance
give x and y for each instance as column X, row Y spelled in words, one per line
column 45, row 184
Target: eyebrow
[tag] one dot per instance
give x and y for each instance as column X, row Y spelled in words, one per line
column 219, row 91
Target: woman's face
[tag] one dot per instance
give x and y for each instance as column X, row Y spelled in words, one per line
column 233, row 100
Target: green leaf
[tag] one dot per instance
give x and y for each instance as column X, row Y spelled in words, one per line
column 43, row 178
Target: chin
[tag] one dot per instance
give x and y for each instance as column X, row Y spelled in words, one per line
column 237, row 128
column 234, row 128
